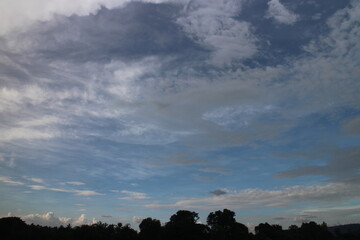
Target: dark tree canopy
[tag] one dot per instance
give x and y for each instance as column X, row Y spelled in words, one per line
column 149, row 229
column 184, row 217
column 225, row 218
column 183, row 225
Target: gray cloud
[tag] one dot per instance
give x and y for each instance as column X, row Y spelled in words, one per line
column 279, row 218
column 218, row 192
column 351, row 213
column 304, row 218
column 342, row 165
column 352, row 126
column 132, row 32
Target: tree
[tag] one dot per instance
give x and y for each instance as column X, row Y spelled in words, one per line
column 267, row 231
column 224, row 226
column 183, row 226
column 149, row 228
column 12, row 228
column 225, row 219
column 184, row 217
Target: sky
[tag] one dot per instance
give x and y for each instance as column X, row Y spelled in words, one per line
column 117, row 110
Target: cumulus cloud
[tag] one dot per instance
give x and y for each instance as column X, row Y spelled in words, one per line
column 50, row 219
column 255, row 198
column 280, row 13
column 137, row 219
column 133, row 195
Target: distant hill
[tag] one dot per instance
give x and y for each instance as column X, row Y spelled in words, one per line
column 347, row 228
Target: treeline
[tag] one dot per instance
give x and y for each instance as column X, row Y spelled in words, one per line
column 221, row 225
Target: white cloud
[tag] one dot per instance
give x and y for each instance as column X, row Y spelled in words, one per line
column 12, row 99
column 86, row 193
column 124, row 84
column 37, row 187
column 36, row 180
column 280, row 13
column 211, row 23
column 278, row 198
column 238, row 116
column 42, row 121
column 49, row 219
column 82, row 220
column 218, row 170
column 133, row 195
column 20, row 14
column 136, row 219
column 8, row 180
column 75, row 183
column 75, row 191
column 25, row 133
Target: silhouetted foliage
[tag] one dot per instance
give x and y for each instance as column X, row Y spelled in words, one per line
column 150, row 229
column 265, row 231
column 183, row 226
column 184, row 217
column 221, row 225
column 224, row 226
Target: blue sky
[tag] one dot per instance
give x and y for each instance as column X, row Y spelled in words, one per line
column 118, row 110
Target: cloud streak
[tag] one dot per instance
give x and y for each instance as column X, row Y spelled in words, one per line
column 258, row 198
column 133, row 195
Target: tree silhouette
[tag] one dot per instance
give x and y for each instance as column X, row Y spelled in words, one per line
column 267, row 231
column 184, row 217
column 183, row 225
column 224, row 226
column 149, row 229
column 12, row 228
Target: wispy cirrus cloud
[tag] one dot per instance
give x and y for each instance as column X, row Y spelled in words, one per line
column 259, row 198
column 8, row 180
column 133, row 195
column 75, row 191
column 74, row 183
column 32, row 179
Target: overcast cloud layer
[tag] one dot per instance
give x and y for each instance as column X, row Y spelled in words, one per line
column 119, row 110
